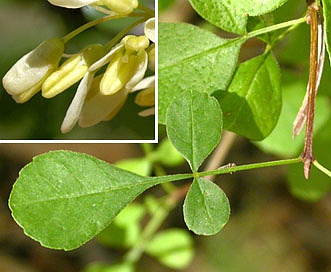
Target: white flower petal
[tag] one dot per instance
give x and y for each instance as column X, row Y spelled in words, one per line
column 32, row 69
column 101, row 62
column 147, row 112
column 71, row 3
column 140, row 70
column 99, row 107
column 150, row 29
column 76, row 105
column 147, row 82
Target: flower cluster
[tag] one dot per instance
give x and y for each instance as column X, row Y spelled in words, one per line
column 107, row 73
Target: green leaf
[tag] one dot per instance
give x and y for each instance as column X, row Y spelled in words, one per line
column 206, row 207
column 257, row 7
column 252, row 103
column 172, row 247
column 62, row 199
column 327, row 25
column 222, row 13
column 232, row 15
column 194, row 126
column 125, row 229
column 191, row 58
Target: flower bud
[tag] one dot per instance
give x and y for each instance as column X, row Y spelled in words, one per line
column 121, row 6
column 146, row 98
column 71, row 71
column 127, row 66
column 135, row 43
column 27, row 75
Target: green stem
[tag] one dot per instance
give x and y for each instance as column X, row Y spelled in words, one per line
column 283, row 34
column 158, row 218
column 153, row 225
column 232, row 169
column 322, row 168
column 168, row 187
column 88, row 25
column 147, row 10
column 226, row 170
column 119, row 35
column 147, row 148
column 273, row 28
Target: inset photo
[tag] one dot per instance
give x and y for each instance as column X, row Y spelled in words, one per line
column 78, row 70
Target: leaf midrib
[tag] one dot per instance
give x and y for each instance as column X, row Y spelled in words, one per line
column 227, row 43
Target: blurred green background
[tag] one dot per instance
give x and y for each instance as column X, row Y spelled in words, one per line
column 24, row 24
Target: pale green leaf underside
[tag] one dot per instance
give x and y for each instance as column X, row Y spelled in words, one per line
column 191, row 58
column 231, row 15
column 62, row 199
column 252, row 103
column 206, row 207
column 194, row 126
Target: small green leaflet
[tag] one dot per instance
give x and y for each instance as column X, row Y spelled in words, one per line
column 63, row 199
column 206, row 207
column 252, row 103
column 232, row 15
column 191, row 58
column 194, row 126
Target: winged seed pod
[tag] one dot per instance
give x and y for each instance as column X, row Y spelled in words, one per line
column 27, row 75
column 71, row 71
